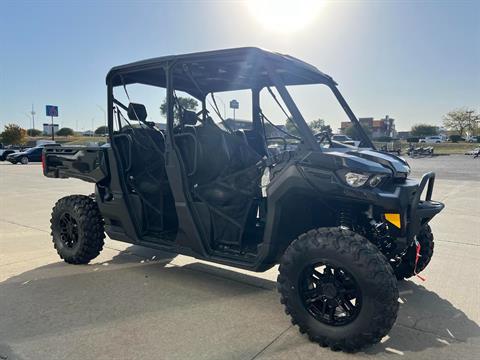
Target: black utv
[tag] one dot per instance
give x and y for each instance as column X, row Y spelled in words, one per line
column 343, row 222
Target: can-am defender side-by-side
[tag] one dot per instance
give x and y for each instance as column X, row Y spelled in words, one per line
column 343, row 222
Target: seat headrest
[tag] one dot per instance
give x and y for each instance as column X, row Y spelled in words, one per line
column 137, row 112
column 188, row 117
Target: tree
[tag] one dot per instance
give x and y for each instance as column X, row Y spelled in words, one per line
column 34, row 132
column 319, row 126
column 65, row 132
column 13, row 134
column 185, row 103
column 351, row 131
column 101, row 130
column 462, row 120
column 291, row 127
column 422, row 130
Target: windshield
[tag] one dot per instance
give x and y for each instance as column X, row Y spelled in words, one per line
column 324, row 111
column 326, row 118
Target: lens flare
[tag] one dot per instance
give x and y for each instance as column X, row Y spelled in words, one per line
column 285, row 16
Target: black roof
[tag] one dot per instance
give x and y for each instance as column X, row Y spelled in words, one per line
column 220, row 70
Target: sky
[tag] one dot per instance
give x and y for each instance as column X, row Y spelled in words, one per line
column 411, row 60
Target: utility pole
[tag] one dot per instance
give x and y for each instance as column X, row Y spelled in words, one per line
column 105, row 117
column 53, row 131
column 224, row 108
column 33, row 116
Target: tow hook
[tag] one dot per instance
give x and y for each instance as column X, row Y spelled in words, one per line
column 417, row 257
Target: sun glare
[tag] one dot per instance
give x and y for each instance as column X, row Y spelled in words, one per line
column 285, row 16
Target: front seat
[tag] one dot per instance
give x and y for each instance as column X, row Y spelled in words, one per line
column 185, row 136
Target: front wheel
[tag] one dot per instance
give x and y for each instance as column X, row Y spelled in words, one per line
column 77, row 229
column 24, row 160
column 407, row 268
column 338, row 288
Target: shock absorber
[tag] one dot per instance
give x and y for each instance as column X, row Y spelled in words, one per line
column 345, row 217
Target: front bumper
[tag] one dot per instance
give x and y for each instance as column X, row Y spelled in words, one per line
column 422, row 211
column 407, row 201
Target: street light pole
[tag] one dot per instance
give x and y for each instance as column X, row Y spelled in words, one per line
column 105, row 117
column 224, row 108
column 33, row 117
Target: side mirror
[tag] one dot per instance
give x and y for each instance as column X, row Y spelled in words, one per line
column 137, row 112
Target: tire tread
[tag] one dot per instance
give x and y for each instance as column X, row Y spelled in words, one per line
column 365, row 255
column 91, row 223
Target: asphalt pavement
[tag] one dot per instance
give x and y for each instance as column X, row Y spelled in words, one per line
column 137, row 303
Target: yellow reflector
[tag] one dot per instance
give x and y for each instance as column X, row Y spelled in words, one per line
column 394, row 219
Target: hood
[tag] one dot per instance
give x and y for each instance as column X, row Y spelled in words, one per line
column 358, row 160
column 17, row 154
column 398, row 166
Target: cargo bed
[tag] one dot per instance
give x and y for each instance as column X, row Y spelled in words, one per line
column 89, row 163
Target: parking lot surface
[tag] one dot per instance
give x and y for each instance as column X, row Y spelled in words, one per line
column 137, row 303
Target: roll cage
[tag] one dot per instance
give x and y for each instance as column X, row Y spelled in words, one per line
column 210, row 206
column 200, row 74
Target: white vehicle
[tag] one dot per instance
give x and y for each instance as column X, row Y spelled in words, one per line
column 44, row 142
column 437, row 139
column 345, row 139
column 472, row 139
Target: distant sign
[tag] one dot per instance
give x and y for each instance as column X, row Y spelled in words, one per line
column 52, row 110
column 234, row 104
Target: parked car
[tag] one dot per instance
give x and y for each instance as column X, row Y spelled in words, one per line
column 437, row 139
column 473, row 139
column 30, row 155
column 5, row 152
column 10, row 149
column 345, row 139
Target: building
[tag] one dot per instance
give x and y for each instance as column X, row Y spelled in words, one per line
column 47, row 128
column 376, row 128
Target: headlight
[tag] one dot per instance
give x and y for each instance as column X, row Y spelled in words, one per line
column 356, row 179
column 375, row 180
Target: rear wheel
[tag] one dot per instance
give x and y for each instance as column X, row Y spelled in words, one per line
column 77, row 229
column 24, row 160
column 406, row 268
column 338, row 288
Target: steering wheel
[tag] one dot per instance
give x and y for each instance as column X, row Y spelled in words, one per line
column 323, row 135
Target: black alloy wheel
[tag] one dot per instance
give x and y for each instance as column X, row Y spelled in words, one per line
column 68, row 230
column 330, row 294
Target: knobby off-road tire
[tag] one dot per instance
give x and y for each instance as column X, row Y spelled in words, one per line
column 358, row 262
column 406, row 268
column 77, row 229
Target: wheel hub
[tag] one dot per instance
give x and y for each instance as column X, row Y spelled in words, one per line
column 330, row 294
column 329, row 291
column 68, row 230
